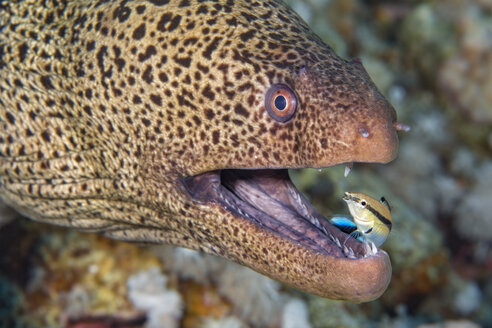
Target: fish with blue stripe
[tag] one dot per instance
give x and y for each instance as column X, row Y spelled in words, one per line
column 371, row 218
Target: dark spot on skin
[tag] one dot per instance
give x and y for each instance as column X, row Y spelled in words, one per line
column 88, row 94
column 46, row 82
column 139, row 32
column 207, row 53
column 185, row 62
column 122, row 13
column 197, row 120
column 140, row 9
column 22, row 48
column 147, row 75
column 163, row 77
column 165, row 18
column 207, row 92
column 247, row 35
column 91, row 45
column 181, row 133
column 146, row 122
column 88, row 110
column 159, row 2
column 209, row 114
column 203, row 9
column 46, row 136
column 215, row 137
column 240, row 110
column 174, row 23
column 120, row 64
column 149, row 52
column 10, row 118
column 100, row 57
column 49, row 18
column 137, row 100
column 156, row 99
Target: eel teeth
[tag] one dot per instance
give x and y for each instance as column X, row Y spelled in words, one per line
column 370, row 249
column 305, row 211
column 348, row 168
column 374, row 248
column 335, row 240
column 349, row 252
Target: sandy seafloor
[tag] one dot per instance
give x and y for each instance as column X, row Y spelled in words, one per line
column 433, row 61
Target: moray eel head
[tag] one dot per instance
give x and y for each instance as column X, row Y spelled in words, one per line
column 292, row 103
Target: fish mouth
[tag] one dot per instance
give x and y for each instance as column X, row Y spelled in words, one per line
column 269, row 199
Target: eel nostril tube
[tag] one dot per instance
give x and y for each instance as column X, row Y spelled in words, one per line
column 401, row 127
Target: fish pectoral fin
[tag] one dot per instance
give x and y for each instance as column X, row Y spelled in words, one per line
column 356, row 234
column 344, row 224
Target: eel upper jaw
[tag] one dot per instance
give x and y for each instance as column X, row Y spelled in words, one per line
column 270, row 200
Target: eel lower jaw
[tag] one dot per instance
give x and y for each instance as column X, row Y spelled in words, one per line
column 270, row 200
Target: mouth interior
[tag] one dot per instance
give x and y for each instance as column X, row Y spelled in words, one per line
column 269, row 199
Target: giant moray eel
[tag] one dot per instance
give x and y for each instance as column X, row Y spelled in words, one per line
column 161, row 121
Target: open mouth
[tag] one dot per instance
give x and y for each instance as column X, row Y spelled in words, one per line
column 269, row 199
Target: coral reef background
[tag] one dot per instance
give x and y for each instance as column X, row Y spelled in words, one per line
column 433, row 61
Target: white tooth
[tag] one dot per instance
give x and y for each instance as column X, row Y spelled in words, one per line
column 374, row 248
column 348, row 168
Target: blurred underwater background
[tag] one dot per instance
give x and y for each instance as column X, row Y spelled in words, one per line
column 433, row 62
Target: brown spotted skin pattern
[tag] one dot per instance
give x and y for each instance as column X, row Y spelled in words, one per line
column 104, row 105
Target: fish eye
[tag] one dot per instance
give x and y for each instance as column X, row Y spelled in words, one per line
column 281, row 102
column 363, row 203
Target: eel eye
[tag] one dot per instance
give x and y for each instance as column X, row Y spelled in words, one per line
column 281, row 102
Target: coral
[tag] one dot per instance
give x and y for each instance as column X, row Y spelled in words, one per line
column 254, row 297
column 426, row 35
column 468, row 299
column 10, row 304
column 203, row 304
column 466, row 77
column 225, row 322
column 452, row 324
column 328, row 313
column 187, row 263
column 148, row 292
column 473, row 215
column 76, row 275
column 295, row 314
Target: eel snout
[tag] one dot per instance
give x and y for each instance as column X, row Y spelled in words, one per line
column 360, row 280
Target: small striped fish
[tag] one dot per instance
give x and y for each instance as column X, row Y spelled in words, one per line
column 371, row 218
